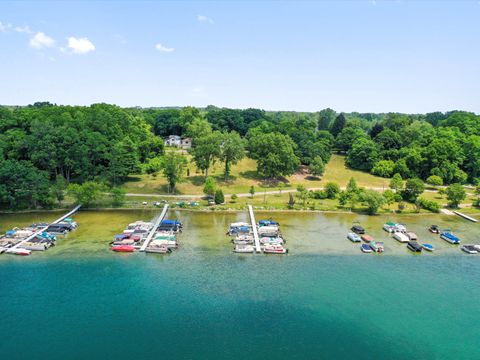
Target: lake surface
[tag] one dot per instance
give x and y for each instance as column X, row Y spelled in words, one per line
column 324, row 300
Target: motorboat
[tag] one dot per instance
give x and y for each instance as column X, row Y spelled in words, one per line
column 366, row 248
column 401, row 228
column 268, row 230
column 367, row 238
column 401, row 237
column 123, row 248
column 271, row 240
column 274, row 249
column 449, row 237
column 434, row 229
column 168, row 243
column 469, row 249
column 354, row 237
column 158, row 249
column 390, row 227
column 245, row 249
column 412, row 236
column 414, row 246
column 377, row 246
column 18, row 251
column 356, row 228
column 428, row 247
column 268, row 223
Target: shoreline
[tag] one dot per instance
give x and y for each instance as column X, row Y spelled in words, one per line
column 213, row 210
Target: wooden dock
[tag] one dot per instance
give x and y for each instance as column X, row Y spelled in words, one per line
column 154, row 229
column 70, row 213
column 465, row 216
column 258, row 249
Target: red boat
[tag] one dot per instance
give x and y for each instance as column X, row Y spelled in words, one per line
column 367, row 238
column 123, row 248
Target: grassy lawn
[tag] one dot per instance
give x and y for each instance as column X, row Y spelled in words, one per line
column 244, row 175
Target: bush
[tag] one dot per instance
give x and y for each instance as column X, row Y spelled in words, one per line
column 332, row 190
column 383, row 168
column 434, row 180
column 319, row 194
column 219, row 197
column 429, row 205
column 209, row 187
column 234, row 198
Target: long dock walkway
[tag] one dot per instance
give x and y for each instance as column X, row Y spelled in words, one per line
column 70, row 213
column 254, row 228
column 465, row 216
column 154, row 229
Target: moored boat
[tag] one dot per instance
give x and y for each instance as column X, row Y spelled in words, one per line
column 123, row 248
column 354, row 237
column 274, row 249
column 448, row 236
column 414, row 246
column 158, row 249
column 412, row 236
column 400, row 236
column 367, row 238
column 428, row 247
column 469, row 249
column 389, row 226
column 366, row 248
column 434, row 229
column 356, row 228
column 377, row 246
column 18, row 251
column 246, row 249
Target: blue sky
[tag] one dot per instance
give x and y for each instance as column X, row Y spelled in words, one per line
column 367, row 56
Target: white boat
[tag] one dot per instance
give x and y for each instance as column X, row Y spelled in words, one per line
column 35, row 246
column 18, row 251
column 271, row 240
column 168, row 243
column 274, row 249
column 412, row 236
column 390, row 227
column 268, row 230
column 400, row 236
column 246, row 249
column 158, row 249
column 242, row 242
column 354, row 237
column 469, row 249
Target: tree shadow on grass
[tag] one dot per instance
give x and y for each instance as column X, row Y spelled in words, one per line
column 131, row 178
column 197, row 180
column 312, row 178
column 251, row 174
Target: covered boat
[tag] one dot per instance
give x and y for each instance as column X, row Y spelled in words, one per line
column 268, row 223
column 469, row 249
column 367, row 238
column 449, row 237
column 365, row 248
column 271, row 240
column 400, row 236
column 412, row 236
column 354, row 237
column 274, row 249
column 434, row 229
column 356, row 228
column 123, row 248
column 414, row 246
column 158, row 249
column 377, row 246
column 246, row 249
column 390, row 226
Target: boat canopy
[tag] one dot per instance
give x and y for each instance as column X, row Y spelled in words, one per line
column 267, row 223
column 171, row 222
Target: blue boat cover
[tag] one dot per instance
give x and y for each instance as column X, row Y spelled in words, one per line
column 171, row 222
column 10, row 232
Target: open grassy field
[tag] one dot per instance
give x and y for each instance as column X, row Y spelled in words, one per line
column 244, row 175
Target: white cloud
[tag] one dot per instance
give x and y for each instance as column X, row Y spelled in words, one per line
column 162, row 48
column 203, row 18
column 80, row 45
column 40, row 41
column 4, row 27
column 24, row 29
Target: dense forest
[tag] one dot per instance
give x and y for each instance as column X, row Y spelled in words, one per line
column 45, row 147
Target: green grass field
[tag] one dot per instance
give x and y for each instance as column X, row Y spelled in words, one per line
column 244, row 175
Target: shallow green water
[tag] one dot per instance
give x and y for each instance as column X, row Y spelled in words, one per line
column 324, row 300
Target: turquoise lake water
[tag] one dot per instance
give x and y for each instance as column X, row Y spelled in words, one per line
column 204, row 302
